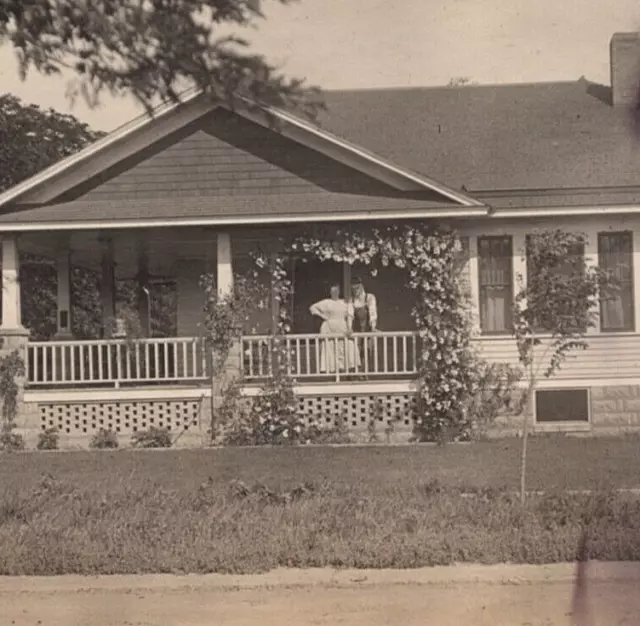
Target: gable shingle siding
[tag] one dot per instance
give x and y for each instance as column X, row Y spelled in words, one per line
column 226, row 155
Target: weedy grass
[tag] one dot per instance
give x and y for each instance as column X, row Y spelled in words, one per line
column 57, row 528
column 250, row 510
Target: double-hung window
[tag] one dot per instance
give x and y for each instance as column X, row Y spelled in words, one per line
column 615, row 254
column 495, row 268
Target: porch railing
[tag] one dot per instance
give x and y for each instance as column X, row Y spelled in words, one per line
column 118, row 362
column 312, row 356
column 114, row 362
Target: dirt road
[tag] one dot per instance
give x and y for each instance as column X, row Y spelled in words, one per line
column 474, row 595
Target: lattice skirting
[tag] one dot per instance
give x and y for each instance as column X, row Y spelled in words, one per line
column 121, row 417
column 357, row 411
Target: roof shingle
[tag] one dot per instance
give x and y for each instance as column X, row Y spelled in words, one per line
column 498, row 137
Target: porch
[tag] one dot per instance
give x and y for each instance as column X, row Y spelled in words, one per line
column 126, row 383
column 81, row 386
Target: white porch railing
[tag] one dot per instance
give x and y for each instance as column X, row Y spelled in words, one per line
column 118, row 362
column 114, row 362
column 312, row 356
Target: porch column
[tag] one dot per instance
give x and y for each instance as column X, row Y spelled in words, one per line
column 232, row 368
column 474, row 283
column 11, row 305
column 591, row 261
column 143, row 295
column 14, row 336
column 519, row 261
column 275, row 302
column 635, row 233
column 224, row 266
column 63, row 265
column 107, row 285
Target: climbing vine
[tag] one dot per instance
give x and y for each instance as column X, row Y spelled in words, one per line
column 11, row 369
column 448, row 366
column 226, row 315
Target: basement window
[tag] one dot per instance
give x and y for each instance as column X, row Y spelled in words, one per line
column 562, row 405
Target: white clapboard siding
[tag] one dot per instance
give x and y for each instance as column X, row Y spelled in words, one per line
column 608, row 356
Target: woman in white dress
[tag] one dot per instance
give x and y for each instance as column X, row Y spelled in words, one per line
column 335, row 312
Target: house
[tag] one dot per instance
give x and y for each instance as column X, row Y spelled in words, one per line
column 198, row 188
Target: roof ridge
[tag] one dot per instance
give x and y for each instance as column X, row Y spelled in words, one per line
column 399, row 88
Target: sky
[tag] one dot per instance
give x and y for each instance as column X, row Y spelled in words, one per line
column 343, row 44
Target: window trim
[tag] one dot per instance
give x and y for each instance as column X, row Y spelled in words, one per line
column 506, row 331
column 631, row 282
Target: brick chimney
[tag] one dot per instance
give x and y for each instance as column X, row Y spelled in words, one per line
column 625, row 68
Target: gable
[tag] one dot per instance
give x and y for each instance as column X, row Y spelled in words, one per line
column 225, row 154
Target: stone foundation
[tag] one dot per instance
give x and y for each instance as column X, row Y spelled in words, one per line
column 615, row 410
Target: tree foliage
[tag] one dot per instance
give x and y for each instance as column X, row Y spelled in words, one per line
column 558, row 302
column 152, row 49
column 32, row 138
column 554, row 307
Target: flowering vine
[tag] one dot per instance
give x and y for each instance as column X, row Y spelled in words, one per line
column 447, row 374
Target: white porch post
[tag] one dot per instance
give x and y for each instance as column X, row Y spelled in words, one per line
column 11, row 306
column 14, row 336
column 233, row 365
column 635, row 234
column 143, row 294
column 224, row 276
column 63, row 265
column 519, row 261
column 107, row 284
column 474, row 283
column 591, row 260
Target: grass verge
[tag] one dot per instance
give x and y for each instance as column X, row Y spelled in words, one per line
column 59, row 528
column 555, row 463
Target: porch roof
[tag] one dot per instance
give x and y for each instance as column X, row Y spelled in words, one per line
column 227, row 210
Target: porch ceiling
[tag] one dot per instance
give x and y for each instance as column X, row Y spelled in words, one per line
column 165, row 248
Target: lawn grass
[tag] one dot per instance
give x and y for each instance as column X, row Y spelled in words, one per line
column 182, row 511
column 554, row 463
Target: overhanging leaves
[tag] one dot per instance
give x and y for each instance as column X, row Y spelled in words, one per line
column 152, row 49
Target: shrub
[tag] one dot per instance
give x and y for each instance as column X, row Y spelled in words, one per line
column 11, row 441
column 48, row 439
column 152, row 438
column 104, row 439
column 272, row 418
column 496, row 393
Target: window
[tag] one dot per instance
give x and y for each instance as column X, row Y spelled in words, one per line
column 495, row 268
column 615, row 254
column 565, row 269
column 562, row 405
